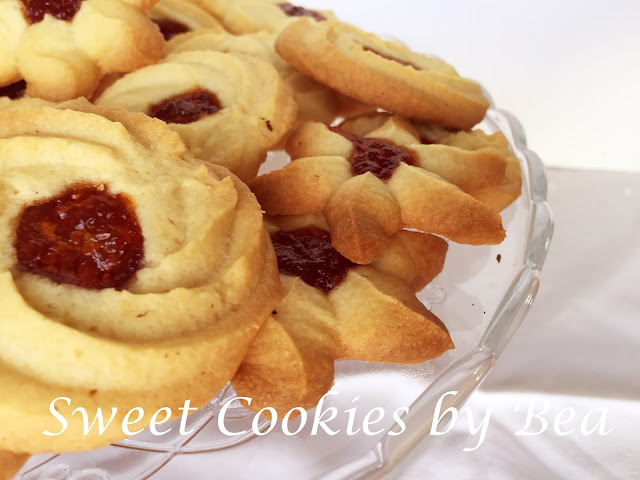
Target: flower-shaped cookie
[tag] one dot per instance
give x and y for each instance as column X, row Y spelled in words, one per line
column 381, row 73
column 228, row 109
column 476, row 142
column 249, row 16
column 333, row 309
column 131, row 274
column 62, row 48
column 497, row 197
column 316, row 102
column 175, row 17
column 370, row 187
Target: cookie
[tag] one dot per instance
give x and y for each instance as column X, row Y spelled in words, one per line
column 315, row 101
column 477, row 145
column 175, row 17
column 63, row 49
column 333, row 309
column 497, row 197
column 249, row 16
column 382, row 73
column 10, row 463
column 228, row 109
column 369, row 188
column 131, row 274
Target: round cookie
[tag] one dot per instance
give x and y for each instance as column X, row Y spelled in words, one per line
column 140, row 273
column 228, row 109
column 249, row 16
column 175, row 17
column 63, row 50
column 315, row 102
column 382, row 73
column 333, row 309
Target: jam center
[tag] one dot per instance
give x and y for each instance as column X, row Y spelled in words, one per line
column 14, row 90
column 84, row 236
column 380, row 157
column 170, row 28
column 186, row 107
column 294, row 11
column 307, row 253
column 389, row 57
column 35, row 10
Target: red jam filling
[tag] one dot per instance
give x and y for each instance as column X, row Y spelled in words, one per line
column 380, row 157
column 84, row 236
column 389, row 57
column 186, row 107
column 424, row 140
column 35, row 10
column 294, row 11
column 307, row 253
column 14, row 90
column 170, row 28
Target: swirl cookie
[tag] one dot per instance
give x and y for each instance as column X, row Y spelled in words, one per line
column 175, row 17
column 381, row 73
column 62, row 49
column 333, row 309
column 131, row 275
column 228, row 109
column 315, row 101
column 370, row 187
column 249, row 16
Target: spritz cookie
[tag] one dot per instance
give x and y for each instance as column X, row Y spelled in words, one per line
column 131, row 274
column 333, row 309
column 382, row 73
column 228, row 109
column 62, row 49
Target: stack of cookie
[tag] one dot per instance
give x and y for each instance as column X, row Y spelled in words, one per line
column 134, row 253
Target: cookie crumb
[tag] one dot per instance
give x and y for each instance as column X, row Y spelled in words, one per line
column 498, row 258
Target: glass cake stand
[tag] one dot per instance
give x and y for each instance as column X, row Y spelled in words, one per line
column 483, row 295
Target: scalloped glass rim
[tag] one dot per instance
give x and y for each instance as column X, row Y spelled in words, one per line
column 387, row 455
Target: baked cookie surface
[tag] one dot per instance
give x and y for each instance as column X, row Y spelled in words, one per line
column 147, row 272
column 249, row 16
column 315, row 101
column 228, row 109
column 382, row 73
column 62, row 49
column 333, row 309
column 175, row 17
column 370, row 187
column 10, row 463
